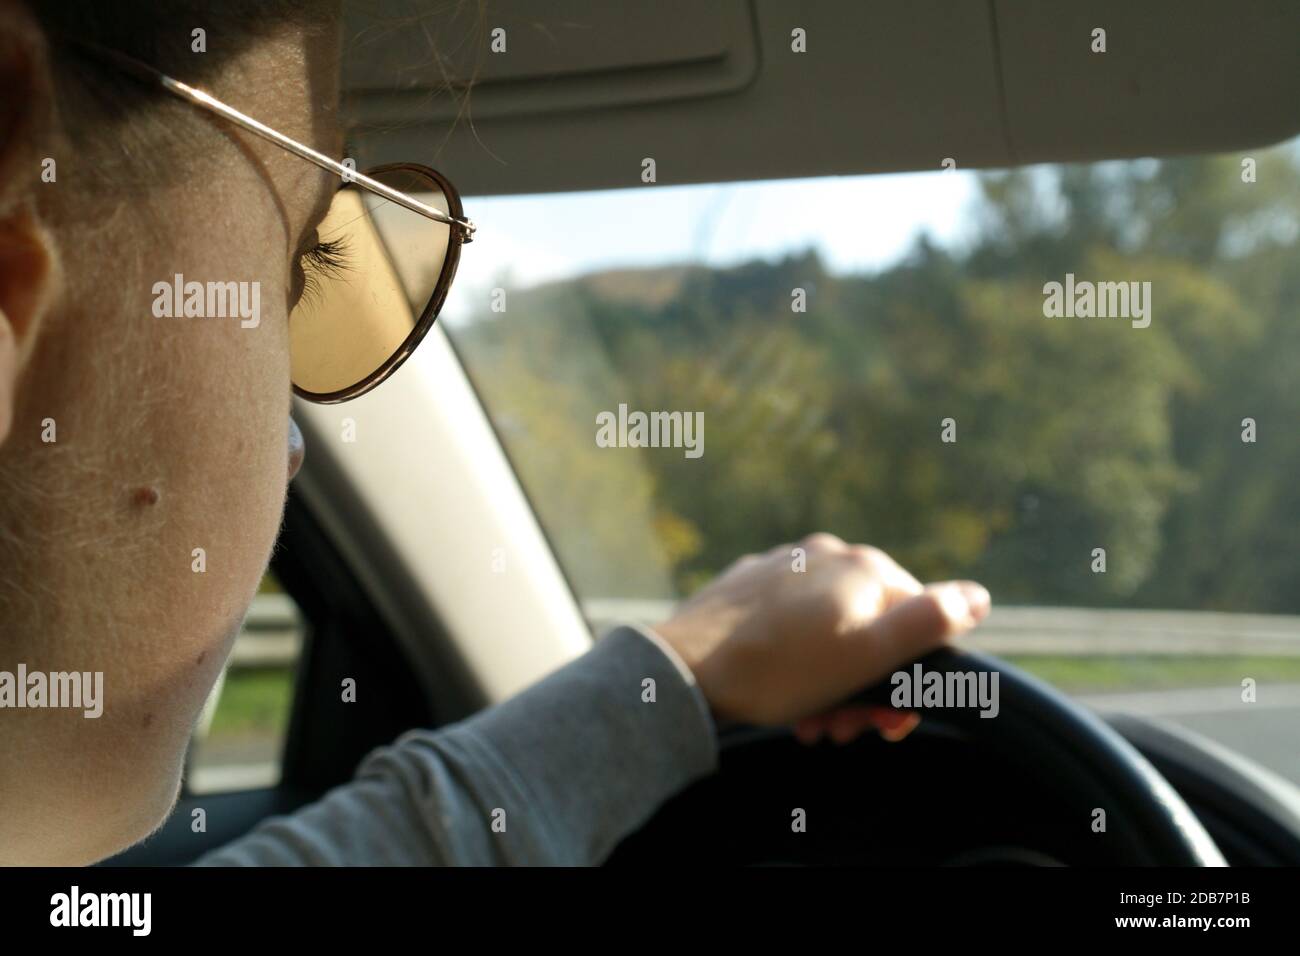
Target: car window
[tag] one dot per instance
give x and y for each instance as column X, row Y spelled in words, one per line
column 238, row 742
column 1073, row 383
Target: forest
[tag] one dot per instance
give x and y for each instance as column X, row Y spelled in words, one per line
column 1170, row 446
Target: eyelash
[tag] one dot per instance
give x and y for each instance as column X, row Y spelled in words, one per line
column 325, row 260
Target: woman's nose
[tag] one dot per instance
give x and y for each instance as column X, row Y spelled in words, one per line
column 297, row 449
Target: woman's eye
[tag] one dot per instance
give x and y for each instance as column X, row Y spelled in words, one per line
column 324, row 260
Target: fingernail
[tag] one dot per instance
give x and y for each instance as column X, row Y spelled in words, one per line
column 899, row 731
column 977, row 599
column 956, row 606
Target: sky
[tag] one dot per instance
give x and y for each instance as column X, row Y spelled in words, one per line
column 858, row 223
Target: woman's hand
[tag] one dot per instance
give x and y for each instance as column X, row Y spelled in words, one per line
column 785, row 636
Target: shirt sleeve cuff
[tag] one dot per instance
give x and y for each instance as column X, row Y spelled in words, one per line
column 602, row 742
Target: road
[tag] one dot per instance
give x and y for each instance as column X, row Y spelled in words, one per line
column 1267, row 731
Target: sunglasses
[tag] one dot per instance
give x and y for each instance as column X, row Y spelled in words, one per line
column 375, row 281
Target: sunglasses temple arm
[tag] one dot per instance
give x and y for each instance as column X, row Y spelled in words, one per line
column 346, row 173
column 463, row 228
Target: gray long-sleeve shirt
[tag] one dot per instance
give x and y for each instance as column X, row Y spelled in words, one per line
column 558, row 774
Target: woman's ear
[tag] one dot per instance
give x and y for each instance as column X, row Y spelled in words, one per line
column 28, row 279
column 29, row 266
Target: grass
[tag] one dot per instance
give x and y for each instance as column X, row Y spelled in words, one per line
column 254, row 702
column 1107, row 673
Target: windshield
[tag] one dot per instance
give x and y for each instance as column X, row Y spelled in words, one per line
column 1076, row 384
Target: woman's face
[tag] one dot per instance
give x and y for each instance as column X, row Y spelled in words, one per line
column 169, row 435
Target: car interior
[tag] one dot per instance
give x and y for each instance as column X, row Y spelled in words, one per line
column 437, row 554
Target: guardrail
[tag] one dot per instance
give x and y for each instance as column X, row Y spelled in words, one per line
column 273, row 629
column 271, row 636
column 1070, row 630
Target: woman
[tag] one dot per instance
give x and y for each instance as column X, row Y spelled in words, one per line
column 128, row 441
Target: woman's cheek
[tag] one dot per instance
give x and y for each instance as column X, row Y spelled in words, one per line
column 221, row 437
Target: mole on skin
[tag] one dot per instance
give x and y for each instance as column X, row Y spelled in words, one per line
column 146, row 495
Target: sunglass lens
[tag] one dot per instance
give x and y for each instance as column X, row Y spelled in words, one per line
column 373, row 275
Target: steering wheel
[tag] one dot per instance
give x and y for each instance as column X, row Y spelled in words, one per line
column 1069, row 763
column 1039, row 726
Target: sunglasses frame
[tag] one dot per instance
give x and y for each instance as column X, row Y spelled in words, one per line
column 430, row 314
column 461, row 229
